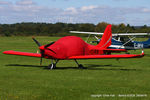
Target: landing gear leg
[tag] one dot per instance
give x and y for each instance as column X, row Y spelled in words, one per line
column 80, row 66
column 52, row 65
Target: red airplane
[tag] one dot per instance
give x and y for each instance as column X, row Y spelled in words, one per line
column 72, row 47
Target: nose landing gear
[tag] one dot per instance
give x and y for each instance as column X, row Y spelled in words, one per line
column 53, row 64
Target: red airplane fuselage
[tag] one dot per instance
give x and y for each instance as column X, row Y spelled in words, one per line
column 70, row 46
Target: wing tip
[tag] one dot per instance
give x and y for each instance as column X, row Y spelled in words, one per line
column 6, row 52
column 11, row 52
column 142, row 52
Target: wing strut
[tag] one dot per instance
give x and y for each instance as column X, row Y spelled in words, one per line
column 127, row 42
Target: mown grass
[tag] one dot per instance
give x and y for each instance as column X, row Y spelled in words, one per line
column 21, row 78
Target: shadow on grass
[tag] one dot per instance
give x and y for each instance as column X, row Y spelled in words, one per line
column 96, row 65
column 25, row 65
column 147, row 55
column 88, row 67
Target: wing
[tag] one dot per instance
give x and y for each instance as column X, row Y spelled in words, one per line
column 11, row 52
column 108, row 56
column 113, row 34
column 86, row 32
column 131, row 34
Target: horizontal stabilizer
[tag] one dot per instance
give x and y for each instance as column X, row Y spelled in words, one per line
column 11, row 52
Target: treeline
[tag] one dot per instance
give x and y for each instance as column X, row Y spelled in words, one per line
column 62, row 29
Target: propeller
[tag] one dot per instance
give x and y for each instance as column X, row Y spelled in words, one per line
column 41, row 51
column 36, row 41
column 48, row 46
column 42, row 55
column 45, row 47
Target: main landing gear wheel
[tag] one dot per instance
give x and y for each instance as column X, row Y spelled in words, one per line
column 80, row 66
column 51, row 66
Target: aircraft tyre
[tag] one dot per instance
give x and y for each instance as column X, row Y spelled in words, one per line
column 51, row 66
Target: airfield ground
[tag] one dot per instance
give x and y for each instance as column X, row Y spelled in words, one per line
column 22, row 78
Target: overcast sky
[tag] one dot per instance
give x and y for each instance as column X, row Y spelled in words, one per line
column 133, row 12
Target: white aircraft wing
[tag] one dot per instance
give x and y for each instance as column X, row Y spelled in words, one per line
column 114, row 34
column 130, row 34
column 86, row 32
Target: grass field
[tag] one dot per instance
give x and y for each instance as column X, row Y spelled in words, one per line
column 21, row 78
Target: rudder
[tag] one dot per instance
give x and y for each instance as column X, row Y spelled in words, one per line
column 106, row 38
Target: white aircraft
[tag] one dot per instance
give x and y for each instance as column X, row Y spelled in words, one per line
column 121, row 42
column 114, row 34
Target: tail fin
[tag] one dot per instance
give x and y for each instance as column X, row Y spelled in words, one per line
column 106, row 38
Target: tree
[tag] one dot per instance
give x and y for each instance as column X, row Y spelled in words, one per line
column 100, row 27
column 86, row 27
